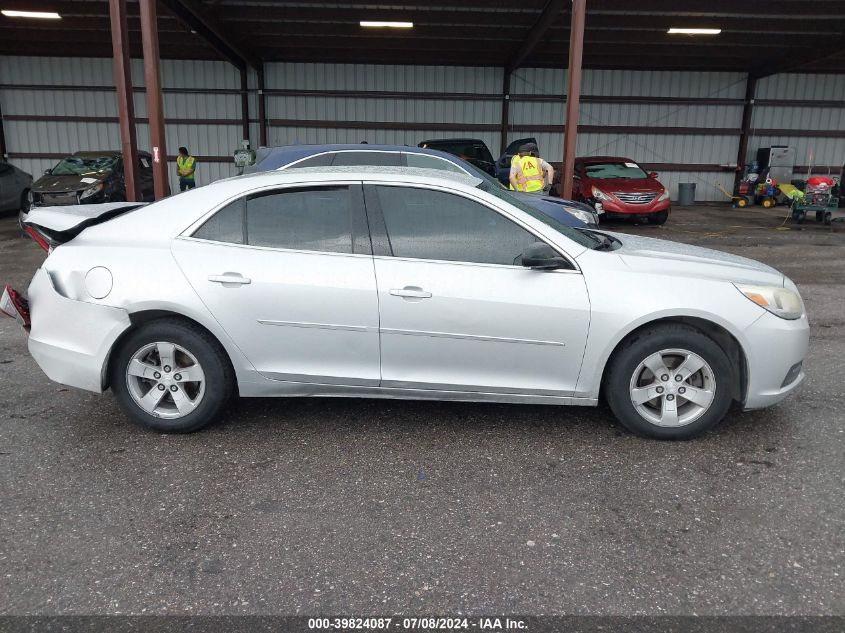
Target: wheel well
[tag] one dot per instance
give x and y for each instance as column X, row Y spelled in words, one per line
column 716, row 332
column 137, row 319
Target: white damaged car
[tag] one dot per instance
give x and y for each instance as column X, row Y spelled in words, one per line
column 398, row 283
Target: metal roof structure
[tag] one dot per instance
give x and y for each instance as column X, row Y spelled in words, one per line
column 758, row 36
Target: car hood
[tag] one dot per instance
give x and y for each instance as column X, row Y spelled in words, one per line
column 646, row 254
column 628, row 185
column 63, row 184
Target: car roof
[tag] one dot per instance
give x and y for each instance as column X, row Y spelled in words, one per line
column 105, row 152
column 361, row 172
column 453, row 140
column 95, row 153
column 281, row 156
column 602, row 159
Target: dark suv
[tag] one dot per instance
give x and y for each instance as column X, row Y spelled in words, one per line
column 476, row 152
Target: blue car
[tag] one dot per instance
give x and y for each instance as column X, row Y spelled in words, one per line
column 566, row 212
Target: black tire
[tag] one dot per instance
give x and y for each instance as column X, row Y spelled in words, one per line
column 799, row 217
column 641, row 345
column 827, row 218
column 217, row 370
column 24, row 208
column 659, row 218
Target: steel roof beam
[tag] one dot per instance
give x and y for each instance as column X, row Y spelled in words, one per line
column 196, row 17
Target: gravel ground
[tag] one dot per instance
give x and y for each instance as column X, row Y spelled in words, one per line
column 360, row 506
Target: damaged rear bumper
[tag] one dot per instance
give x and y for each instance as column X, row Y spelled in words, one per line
column 71, row 340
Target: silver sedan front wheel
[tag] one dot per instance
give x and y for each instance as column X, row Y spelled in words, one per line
column 670, row 381
column 672, row 387
column 165, row 380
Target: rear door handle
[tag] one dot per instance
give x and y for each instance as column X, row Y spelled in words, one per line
column 414, row 292
column 230, row 278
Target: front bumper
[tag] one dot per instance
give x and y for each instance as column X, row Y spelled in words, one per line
column 616, row 207
column 71, row 340
column 774, row 349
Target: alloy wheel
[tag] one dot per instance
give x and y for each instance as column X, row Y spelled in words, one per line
column 165, row 380
column 672, row 387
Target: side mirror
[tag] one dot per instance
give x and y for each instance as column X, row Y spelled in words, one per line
column 47, row 172
column 652, row 174
column 541, row 256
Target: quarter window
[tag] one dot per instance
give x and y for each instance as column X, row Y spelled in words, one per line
column 429, row 224
column 227, row 225
column 431, row 162
column 320, row 160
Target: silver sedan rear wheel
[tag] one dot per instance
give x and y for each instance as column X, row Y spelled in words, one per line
column 165, row 380
column 672, row 387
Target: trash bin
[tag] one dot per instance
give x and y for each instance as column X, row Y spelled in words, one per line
column 686, row 193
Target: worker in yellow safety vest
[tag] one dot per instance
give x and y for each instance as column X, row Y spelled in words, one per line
column 186, row 166
column 529, row 172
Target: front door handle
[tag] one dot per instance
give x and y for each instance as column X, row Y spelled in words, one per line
column 414, row 292
column 230, row 278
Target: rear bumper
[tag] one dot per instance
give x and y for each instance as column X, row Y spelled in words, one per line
column 775, row 351
column 71, row 340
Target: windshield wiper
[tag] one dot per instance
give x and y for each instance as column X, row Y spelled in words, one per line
column 603, row 242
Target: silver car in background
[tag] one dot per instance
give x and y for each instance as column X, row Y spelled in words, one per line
column 402, row 283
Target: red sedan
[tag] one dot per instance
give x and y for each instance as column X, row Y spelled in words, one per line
column 618, row 187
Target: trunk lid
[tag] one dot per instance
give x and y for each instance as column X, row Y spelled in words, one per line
column 57, row 225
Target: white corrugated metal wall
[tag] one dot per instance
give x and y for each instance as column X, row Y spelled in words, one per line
column 827, row 114
column 685, row 124
column 653, row 146
column 91, row 101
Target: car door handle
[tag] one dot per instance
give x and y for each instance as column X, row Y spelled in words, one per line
column 414, row 292
column 230, row 278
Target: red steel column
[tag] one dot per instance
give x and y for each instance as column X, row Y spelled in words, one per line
column 573, row 95
column 125, row 104
column 155, row 109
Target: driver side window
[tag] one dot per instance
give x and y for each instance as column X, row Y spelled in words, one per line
column 430, row 224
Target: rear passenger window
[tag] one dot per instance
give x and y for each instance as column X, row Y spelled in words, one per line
column 354, row 159
column 314, row 219
column 227, row 225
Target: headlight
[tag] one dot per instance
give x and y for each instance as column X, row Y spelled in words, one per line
column 779, row 301
column 585, row 216
column 90, row 191
column 664, row 195
column 598, row 194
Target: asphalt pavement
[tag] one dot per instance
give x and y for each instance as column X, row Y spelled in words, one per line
column 344, row 506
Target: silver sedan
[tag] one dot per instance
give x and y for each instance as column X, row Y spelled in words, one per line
column 401, row 283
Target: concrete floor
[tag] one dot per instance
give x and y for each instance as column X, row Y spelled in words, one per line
column 378, row 507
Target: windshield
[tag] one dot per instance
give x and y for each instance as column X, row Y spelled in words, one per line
column 616, row 169
column 82, row 165
column 467, row 151
column 494, row 188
